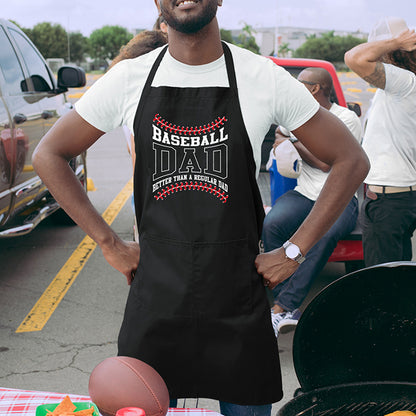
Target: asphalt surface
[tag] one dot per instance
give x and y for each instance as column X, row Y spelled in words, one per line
column 78, row 331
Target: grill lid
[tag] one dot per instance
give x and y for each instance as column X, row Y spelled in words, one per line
column 360, row 328
column 358, row 399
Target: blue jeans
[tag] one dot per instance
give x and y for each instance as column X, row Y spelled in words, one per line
column 287, row 214
column 229, row 409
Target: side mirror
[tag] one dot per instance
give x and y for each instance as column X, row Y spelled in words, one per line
column 355, row 107
column 38, row 84
column 32, row 92
column 71, row 77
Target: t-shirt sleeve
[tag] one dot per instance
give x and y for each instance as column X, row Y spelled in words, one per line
column 399, row 82
column 294, row 105
column 353, row 123
column 102, row 104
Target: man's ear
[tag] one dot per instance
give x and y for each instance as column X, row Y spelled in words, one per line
column 315, row 88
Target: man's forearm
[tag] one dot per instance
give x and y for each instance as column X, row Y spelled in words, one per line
column 68, row 192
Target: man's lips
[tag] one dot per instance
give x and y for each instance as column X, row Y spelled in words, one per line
column 183, row 4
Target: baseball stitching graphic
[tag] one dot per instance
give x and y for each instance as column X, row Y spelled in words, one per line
column 189, row 131
column 195, row 186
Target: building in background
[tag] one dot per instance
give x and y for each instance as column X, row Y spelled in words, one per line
column 271, row 39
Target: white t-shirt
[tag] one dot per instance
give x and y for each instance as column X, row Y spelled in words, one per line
column 311, row 180
column 390, row 136
column 268, row 94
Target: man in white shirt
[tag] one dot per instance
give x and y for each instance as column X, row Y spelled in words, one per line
column 197, row 310
column 388, row 61
column 292, row 207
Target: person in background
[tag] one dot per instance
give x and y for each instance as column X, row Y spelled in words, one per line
column 290, row 210
column 388, row 215
column 197, row 309
column 142, row 43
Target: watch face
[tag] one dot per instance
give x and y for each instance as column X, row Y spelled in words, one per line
column 292, row 251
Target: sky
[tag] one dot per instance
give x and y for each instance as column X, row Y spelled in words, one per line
column 87, row 15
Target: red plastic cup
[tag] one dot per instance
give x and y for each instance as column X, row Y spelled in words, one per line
column 131, row 411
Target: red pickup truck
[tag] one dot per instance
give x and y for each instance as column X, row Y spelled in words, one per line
column 349, row 250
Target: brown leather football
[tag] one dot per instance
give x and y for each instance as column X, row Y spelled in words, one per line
column 119, row 382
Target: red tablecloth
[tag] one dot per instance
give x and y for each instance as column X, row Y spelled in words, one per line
column 24, row 402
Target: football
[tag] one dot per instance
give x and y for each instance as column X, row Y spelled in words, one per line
column 119, row 382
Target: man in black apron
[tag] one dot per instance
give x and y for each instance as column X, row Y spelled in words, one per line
column 197, row 310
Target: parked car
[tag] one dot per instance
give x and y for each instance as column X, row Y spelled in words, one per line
column 349, row 250
column 31, row 100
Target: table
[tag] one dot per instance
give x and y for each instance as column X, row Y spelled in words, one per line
column 24, row 403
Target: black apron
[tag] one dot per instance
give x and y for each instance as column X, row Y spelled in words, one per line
column 197, row 310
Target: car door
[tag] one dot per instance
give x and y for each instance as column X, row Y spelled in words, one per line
column 43, row 83
column 27, row 122
column 6, row 144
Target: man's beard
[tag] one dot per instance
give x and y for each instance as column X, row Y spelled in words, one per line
column 192, row 24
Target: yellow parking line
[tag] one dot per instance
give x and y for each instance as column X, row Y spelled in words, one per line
column 55, row 292
column 354, row 89
column 75, row 95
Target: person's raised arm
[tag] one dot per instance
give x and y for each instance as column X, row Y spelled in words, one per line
column 365, row 59
column 326, row 137
column 69, row 137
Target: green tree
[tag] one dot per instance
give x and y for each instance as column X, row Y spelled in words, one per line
column 105, row 43
column 50, row 39
column 226, row 36
column 247, row 40
column 328, row 47
column 78, row 47
column 283, row 50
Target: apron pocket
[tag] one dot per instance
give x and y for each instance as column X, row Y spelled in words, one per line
column 162, row 281
column 201, row 280
column 223, row 276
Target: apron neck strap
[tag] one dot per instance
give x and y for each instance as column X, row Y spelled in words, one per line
column 153, row 70
column 229, row 63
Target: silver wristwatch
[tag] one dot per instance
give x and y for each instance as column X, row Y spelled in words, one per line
column 293, row 252
column 293, row 139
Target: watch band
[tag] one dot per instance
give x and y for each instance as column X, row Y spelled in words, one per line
column 296, row 255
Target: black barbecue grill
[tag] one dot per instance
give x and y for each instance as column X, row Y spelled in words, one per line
column 354, row 349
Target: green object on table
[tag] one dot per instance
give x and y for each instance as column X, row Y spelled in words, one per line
column 42, row 409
